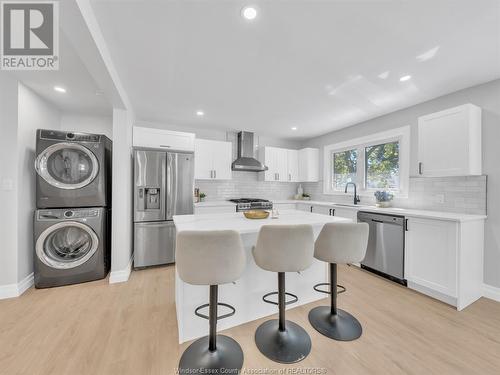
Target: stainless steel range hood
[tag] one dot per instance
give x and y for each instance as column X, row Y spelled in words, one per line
column 246, row 160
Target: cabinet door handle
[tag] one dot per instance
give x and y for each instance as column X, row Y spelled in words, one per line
column 311, row 208
column 406, row 225
column 420, row 167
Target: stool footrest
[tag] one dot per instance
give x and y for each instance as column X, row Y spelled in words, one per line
column 204, row 316
column 293, row 300
column 316, row 288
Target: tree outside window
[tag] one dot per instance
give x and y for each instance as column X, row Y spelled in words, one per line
column 382, row 166
column 344, row 168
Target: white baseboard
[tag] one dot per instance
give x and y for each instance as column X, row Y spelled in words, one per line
column 121, row 276
column 15, row 290
column 491, row 292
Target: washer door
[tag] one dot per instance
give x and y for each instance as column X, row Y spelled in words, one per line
column 66, row 245
column 67, row 165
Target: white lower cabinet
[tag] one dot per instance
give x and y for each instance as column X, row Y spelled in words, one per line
column 304, row 207
column 347, row 213
column 323, row 210
column 284, row 206
column 444, row 259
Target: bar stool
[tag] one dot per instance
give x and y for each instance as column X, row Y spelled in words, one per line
column 211, row 258
column 338, row 243
column 283, row 248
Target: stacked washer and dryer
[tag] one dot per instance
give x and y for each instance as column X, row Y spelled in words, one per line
column 72, row 231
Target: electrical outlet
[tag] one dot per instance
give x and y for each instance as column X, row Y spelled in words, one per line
column 439, row 198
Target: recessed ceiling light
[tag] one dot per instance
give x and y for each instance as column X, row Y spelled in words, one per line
column 200, row 113
column 249, row 13
column 405, row 78
column 59, row 89
column 294, row 128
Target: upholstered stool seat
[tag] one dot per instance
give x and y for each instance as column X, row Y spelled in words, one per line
column 283, row 248
column 211, row 258
column 338, row 243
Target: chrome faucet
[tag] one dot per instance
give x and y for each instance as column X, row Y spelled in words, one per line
column 356, row 196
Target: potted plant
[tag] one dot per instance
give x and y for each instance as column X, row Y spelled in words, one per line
column 383, row 198
column 202, row 197
column 306, row 197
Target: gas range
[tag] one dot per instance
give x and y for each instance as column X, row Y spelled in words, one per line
column 246, row 204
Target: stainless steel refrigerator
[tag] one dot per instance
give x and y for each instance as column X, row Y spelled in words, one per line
column 163, row 187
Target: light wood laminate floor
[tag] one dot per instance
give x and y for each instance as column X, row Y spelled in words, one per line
column 130, row 328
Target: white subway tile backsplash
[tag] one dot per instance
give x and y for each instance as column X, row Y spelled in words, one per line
column 461, row 194
column 465, row 194
column 246, row 185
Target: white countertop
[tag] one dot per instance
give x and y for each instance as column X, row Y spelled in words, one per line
column 236, row 221
column 452, row 216
column 214, row 204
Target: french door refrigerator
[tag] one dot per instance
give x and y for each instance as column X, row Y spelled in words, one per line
column 163, row 187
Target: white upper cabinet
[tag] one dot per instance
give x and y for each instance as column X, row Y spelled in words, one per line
column 293, row 165
column 290, row 165
column 276, row 160
column 449, row 142
column 309, row 165
column 160, row 138
column 212, row 160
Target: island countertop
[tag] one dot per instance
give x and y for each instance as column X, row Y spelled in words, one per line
column 246, row 294
column 236, row 221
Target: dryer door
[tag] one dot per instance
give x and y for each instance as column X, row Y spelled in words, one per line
column 67, row 165
column 66, row 244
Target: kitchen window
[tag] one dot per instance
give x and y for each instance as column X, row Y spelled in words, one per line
column 376, row 162
column 344, row 167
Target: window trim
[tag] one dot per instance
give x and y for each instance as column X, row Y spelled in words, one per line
column 401, row 134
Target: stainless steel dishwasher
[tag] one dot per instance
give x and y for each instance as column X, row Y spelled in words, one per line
column 386, row 245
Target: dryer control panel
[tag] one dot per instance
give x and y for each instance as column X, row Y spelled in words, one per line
column 66, row 214
column 69, row 136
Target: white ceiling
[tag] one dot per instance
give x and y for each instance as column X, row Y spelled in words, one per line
column 82, row 71
column 80, row 97
column 316, row 65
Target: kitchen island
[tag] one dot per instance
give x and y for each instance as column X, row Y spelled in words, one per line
column 246, row 294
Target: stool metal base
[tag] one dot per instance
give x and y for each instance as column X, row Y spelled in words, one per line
column 289, row 346
column 196, row 359
column 342, row 327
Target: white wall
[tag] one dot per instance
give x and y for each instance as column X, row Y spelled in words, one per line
column 8, row 184
column 122, row 228
column 21, row 113
column 33, row 113
column 486, row 96
column 87, row 124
